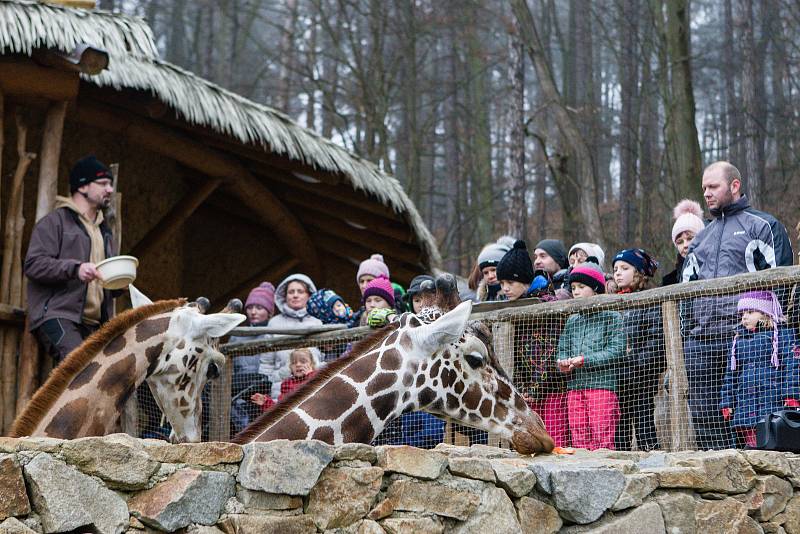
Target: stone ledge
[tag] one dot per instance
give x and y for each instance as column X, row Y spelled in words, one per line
column 120, row 484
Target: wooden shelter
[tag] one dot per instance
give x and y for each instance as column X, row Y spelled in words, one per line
column 216, row 193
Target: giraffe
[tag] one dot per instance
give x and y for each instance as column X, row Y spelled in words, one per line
column 446, row 367
column 169, row 344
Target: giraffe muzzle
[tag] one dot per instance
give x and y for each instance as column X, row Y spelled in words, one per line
column 531, row 437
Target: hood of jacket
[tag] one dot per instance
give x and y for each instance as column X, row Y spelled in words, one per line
column 280, row 295
column 67, row 202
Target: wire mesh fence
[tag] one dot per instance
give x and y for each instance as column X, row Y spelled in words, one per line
column 692, row 366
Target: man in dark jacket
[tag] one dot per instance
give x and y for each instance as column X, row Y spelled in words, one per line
column 738, row 240
column 65, row 299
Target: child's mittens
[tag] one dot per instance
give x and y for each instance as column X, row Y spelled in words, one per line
column 577, row 361
column 791, row 403
column 379, row 317
column 726, row 413
column 564, row 366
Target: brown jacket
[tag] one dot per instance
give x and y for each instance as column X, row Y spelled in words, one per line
column 59, row 244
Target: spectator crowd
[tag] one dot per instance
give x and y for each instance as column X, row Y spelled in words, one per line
column 593, row 376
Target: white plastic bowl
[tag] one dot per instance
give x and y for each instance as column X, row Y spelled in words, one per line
column 118, row 271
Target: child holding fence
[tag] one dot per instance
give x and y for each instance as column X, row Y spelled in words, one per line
column 644, row 361
column 762, row 374
column 590, row 347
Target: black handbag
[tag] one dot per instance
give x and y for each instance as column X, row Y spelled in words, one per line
column 779, row 431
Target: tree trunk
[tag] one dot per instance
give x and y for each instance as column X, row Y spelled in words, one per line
column 517, row 213
column 629, row 114
column 590, row 215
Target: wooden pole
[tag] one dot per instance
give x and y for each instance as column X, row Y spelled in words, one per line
column 175, row 218
column 219, row 406
column 48, row 163
column 11, row 276
column 681, row 429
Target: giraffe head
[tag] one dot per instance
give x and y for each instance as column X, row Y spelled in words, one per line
column 183, row 361
column 453, row 372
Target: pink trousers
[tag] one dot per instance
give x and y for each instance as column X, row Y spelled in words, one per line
column 553, row 411
column 593, row 416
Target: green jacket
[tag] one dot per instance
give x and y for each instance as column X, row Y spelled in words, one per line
column 600, row 337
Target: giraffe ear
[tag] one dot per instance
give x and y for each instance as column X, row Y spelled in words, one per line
column 138, row 298
column 216, row 324
column 446, row 329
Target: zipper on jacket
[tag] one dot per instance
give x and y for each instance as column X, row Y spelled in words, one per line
column 719, row 245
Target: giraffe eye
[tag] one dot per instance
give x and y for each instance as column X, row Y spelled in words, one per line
column 474, row 359
column 213, row 371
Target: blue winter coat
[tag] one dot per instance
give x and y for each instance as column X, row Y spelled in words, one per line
column 756, row 388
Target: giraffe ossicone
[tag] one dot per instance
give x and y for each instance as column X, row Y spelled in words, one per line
column 446, row 367
column 169, row 344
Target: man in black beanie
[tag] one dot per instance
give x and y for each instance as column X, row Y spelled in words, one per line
column 550, row 256
column 66, row 301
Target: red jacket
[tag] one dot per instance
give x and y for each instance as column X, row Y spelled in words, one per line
column 287, row 386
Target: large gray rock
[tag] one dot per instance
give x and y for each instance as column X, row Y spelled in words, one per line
column 723, row 471
column 475, row 468
column 364, row 526
column 790, row 517
column 637, row 487
column 418, row 463
column 355, row 451
column 343, row 496
column 582, row 495
column 646, row 518
column 726, row 516
column 13, row 498
column 769, row 462
column 282, row 466
column 514, row 476
column 263, row 524
column 118, row 459
column 678, row 511
column 431, row 497
column 187, row 496
column 767, row 498
column 537, row 517
column 66, row 499
column 496, row 514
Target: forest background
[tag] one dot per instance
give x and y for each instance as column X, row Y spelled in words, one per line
column 575, row 119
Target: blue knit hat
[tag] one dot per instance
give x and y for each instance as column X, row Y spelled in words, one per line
column 320, row 305
column 638, row 259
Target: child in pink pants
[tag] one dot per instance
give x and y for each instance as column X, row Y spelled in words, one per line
column 589, row 348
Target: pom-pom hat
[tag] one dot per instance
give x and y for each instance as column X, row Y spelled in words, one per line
column 516, row 265
column 374, row 266
column 263, row 295
column 688, row 215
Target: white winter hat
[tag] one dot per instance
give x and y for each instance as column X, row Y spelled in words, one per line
column 688, row 215
column 591, row 249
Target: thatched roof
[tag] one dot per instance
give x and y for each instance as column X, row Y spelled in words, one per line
column 26, row 25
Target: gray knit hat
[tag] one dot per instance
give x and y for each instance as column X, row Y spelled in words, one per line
column 556, row 250
column 492, row 253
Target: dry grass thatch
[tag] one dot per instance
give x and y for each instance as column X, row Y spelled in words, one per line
column 134, row 64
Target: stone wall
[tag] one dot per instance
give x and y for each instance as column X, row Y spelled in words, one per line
column 120, row 484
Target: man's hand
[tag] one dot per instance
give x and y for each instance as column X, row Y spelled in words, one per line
column 88, row 272
column 726, row 413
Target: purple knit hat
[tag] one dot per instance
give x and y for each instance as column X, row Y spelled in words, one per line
column 767, row 303
column 263, row 295
column 380, row 287
column 374, row 266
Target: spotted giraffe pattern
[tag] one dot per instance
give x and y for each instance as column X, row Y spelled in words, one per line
column 171, row 351
column 447, row 368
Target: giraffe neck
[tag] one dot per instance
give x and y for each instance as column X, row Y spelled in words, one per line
column 93, row 400
column 349, row 401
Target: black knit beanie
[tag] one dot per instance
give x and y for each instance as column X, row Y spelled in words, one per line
column 87, row 170
column 516, row 265
column 556, row 250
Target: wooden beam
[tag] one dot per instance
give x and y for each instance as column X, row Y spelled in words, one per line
column 273, row 273
column 24, row 77
column 250, row 191
column 401, row 273
column 11, row 315
column 346, row 195
column 305, row 200
column 48, row 163
column 174, row 219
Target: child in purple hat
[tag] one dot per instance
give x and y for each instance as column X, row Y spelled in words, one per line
column 762, row 376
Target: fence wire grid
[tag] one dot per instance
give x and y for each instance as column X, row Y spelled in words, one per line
column 693, row 366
